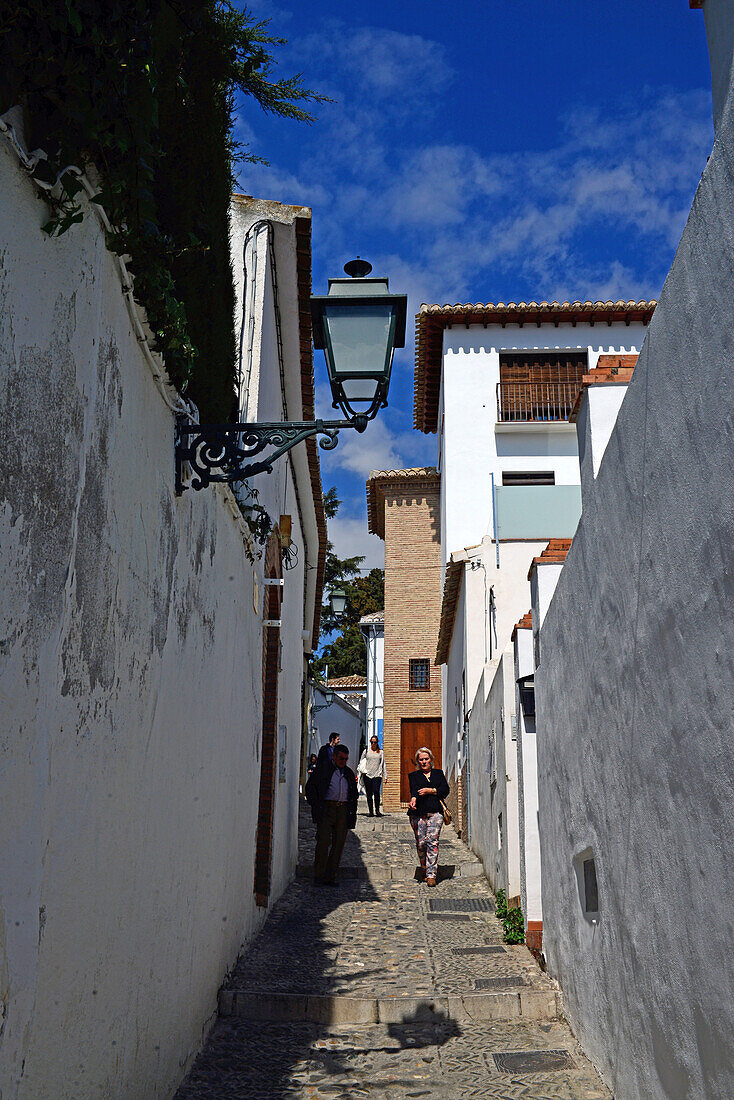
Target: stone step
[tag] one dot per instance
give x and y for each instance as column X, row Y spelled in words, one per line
column 259, row 1005
column 384, row 873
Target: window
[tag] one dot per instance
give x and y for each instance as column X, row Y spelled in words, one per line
column 591, row 890
column 539, row 385
column 419, row 677
column 528, row 477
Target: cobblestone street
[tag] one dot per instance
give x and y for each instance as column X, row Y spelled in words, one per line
column 381, row 988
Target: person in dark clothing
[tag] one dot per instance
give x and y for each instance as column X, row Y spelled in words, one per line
column 331, row 792
column 428, row 786
column 326, row 752
column 312, row 761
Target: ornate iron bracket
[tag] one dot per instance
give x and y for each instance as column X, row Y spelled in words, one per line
column 223, row 452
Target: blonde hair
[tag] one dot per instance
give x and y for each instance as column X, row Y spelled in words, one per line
column 419, row 751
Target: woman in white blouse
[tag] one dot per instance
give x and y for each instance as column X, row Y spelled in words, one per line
column 372, row 770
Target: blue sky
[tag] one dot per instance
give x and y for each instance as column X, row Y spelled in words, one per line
column 482, row 151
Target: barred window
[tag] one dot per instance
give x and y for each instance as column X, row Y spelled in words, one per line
column 419, row 677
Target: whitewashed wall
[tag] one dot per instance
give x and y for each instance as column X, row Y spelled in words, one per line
column 636, row 694
column 493, row 788
column 130, row 680
column 340, row 717
column 375, row 640
column 527, row 787
column 483, row 625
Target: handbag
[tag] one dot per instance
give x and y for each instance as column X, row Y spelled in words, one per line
column 447, row 818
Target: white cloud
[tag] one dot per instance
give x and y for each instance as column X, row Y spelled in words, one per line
column 374, row 449
column 350, row 537
column 384, row 65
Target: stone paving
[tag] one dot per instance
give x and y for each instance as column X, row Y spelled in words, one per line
column 386, row 989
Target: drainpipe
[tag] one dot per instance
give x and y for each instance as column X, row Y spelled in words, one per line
column 494, row 522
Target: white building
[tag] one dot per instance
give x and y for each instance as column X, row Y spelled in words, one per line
column 351, row 688
column 329, row 712
column 492, row 786
column 373, row 630
column 527, row 784
column 498, row 384
column 635, row 686
column 149, row 714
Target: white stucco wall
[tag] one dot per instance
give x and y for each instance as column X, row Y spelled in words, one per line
column 597, row 415
column 340, row 717
column 489, row 603
column 375, row 641
column 454, row 696
column 471, row 443
column 636, row 697
column 130, row 679
column 493, row 788
column 527, row 780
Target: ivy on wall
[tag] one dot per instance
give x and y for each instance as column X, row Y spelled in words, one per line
column 141, row 94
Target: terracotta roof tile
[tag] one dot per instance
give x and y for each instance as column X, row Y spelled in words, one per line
column 525, row 623
column 347, row 682
column 419, row 477
column 431, row 321
column 610, row 370
column 554, row 554
column 451, row 589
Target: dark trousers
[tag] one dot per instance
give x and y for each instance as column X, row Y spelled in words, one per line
column 331, row 833
column 372, row 790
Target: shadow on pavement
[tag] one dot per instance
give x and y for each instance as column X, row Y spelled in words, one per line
column 297, row 952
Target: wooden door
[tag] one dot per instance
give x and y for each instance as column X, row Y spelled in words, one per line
column 417, row 733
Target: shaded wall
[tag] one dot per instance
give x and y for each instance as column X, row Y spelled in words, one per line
column 636, row 699
column 131, row 682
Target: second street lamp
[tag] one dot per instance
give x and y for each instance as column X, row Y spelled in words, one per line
column 358, row 324
column 338, row 601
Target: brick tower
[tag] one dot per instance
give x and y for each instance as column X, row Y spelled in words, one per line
column 404, row 509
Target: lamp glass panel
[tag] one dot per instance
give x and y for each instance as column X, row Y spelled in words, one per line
column 360, row 389
column 359, row 336
column 338, row 603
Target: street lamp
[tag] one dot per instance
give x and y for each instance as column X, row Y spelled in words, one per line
column 328, row 695
column 358, row 324
column 338, row 601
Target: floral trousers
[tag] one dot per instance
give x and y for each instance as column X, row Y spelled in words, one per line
column 427, row 831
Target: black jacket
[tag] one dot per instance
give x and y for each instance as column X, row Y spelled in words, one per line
column 318, row 785
column 427, row 803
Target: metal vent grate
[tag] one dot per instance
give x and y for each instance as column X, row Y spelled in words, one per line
column 510, row 982
column 533, row 1061
column 461, row 905
column 479, row 950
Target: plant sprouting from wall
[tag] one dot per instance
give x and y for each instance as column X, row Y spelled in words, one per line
column 500, row 899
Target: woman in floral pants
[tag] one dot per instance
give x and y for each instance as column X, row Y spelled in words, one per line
column 428, row 786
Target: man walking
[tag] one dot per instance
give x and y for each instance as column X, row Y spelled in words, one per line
column 331, row 792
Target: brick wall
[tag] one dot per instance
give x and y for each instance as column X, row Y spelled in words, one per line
column 412, row 612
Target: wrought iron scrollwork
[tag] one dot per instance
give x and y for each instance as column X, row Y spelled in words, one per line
column 224, row 452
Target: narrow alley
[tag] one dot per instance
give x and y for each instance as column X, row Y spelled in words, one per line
column 383, row 988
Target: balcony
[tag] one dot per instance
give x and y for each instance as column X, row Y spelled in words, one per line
column 535, row 402
column 537, row 511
